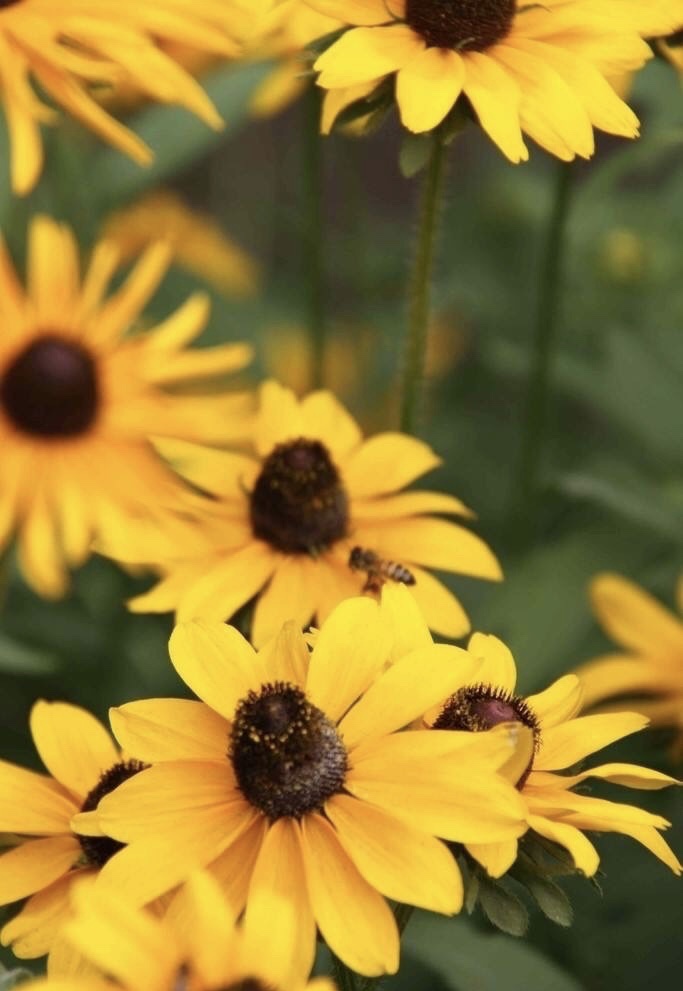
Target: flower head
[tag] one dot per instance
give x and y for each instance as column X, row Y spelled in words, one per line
column 69, row 48
column 561, row 741
column 539, row 69
column 80, row 400
column 50, row 856
column 285, row 522
column 648, row 670
column 291, row 782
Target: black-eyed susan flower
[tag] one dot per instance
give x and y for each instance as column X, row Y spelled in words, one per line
column 79, row 400
column 289, row 779
column 284, row 522
column 48, row 856
column 561, row 741
column 63, row 50
column 647, row 668
column 539, row 69
column 196, row 945
column 197, row 241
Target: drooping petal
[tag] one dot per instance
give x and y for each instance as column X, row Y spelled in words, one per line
column 35, row 864
column 565, row 744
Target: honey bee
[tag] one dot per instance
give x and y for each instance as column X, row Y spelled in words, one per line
column 378, row 570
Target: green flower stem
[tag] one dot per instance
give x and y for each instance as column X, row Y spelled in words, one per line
column 313, row 235
column 421, row 285
column 550, row 278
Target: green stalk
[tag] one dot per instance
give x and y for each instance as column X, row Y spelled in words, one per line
column 550, row 278
column 419, row 307
column 313, row 237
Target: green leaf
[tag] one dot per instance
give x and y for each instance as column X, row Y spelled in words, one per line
column 548, row 895
column 176, row 137
column 414, row 153
column 503, row 909
column 468, row 959
column 22, row 659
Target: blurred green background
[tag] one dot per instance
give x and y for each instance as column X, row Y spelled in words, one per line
column 613, row 479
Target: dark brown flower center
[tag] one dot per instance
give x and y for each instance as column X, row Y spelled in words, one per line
column 287, row 755
column 468, row 25
column 298, row 504
column 50, row 389
column 8, row 3
column 99, row 849
column 476, row 708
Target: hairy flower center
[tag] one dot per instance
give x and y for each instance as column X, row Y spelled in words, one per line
column 298, row 504
column 468, row 25
column 50, row 389
column 99, row 849
column 287, row 755
column 476, row 708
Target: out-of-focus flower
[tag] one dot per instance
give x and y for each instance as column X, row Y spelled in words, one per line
column 70, row 48
column 283, row 523
column 196, row 241
column 624, row 255
column 196, row 945
column 647, row 671
column 84, row 764
column 80, row 400
column 525, row 68
column 292, row 778
column 561, row 741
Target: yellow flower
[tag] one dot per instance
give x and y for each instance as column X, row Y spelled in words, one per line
column 65, row 49
column 526, row 68
column 49, row 856
column 284, row 523
column 553, row 809
column 198, row 243
column 78, row 401
column 290, row 781
column 648, row 670
column 197, row 945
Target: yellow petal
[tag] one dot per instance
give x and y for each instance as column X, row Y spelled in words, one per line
column 497, row 665
column 564, row 745
column 633, row 617
column 352, row 917
column 583, row 853
column 558, row 703
column 428, row 86
column 36, row 864
column 216, row 662
column 31, row 803
column 278, row 903
column 413, row 868
column 73, row 745
column 412, row 685
column 351, row 648
column 495, row 858
column 170, row 729
column 387, row 462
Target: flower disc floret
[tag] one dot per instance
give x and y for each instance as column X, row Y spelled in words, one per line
column 467, row 25
column 298, row 504
column 51, row 388
column 287, row 755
